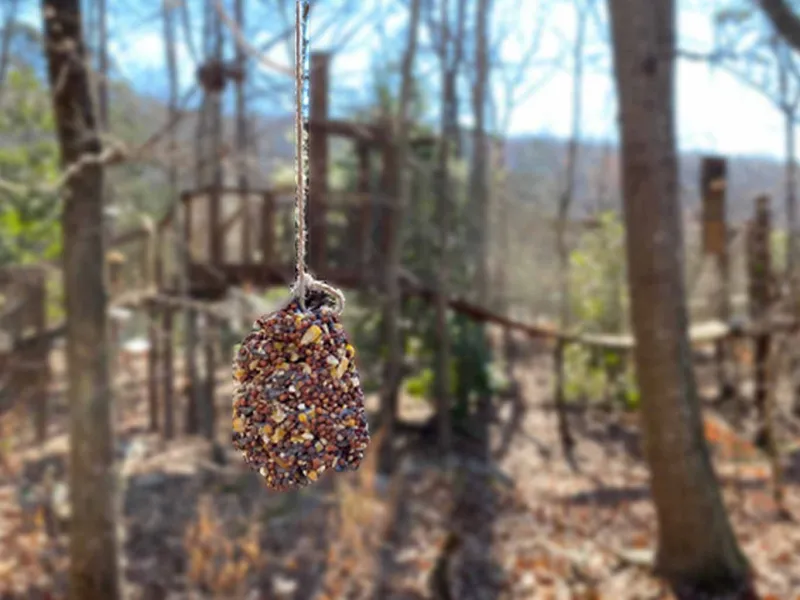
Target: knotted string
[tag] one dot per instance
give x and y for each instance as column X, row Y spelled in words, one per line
column 305, row 282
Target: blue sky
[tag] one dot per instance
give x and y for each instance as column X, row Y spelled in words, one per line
column 715, row 112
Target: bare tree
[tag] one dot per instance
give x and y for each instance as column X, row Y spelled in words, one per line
column 449, row 44
column 393, row 299
column 171, row 57
column 93, row 543
column 516, row 80
column 479, row 183
column 564, row 204
column 697, row 549
column 513, row 83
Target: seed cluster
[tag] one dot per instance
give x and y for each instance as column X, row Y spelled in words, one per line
column 298, row 407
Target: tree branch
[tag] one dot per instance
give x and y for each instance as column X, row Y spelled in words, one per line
column 784, row 19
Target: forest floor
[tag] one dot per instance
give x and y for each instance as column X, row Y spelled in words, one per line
column 526, row 527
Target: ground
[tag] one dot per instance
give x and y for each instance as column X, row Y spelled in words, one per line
column 526, row 527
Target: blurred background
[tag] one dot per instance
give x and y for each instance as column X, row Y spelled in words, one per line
column 466, row 192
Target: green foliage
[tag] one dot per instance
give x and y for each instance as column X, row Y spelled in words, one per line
column 598, row 277
column 599, row 305
column 779, row 246
column 29, row 167
column 470, row 362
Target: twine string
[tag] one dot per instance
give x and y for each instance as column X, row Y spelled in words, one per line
column 304, row 282
column 300, row 286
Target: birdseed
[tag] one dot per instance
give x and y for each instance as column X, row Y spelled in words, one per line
column 298, row 407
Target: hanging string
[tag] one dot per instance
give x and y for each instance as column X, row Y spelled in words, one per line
column 304, row 282
column 301, row 173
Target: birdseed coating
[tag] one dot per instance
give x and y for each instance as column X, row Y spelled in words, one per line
column 298, row 407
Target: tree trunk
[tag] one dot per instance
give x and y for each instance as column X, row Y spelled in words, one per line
column 697, row 549
column 443, row 203
column 479, row 190
column 567, row 441
column 449, row 143
column 793, row 245
column 93, row 543
column 394, row 254
column 102, row 65
column 791, row 205
column 178, row 219
column 207, row 412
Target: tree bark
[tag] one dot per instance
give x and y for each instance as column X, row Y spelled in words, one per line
column 180, row 248
column 565, row 202
column 93, row 543
column 442, row 368
column 697, row 549
column 479, row 190
column 450, row 55
column 394, row 255
column 102, row 65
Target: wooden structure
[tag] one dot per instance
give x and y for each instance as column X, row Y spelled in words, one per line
column 760, row 292
column 237, row 237
column 713, row 188
column 713, row 184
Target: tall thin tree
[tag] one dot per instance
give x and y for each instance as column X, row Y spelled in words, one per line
column 479, row 186
column 393, row 298
column 450, row 50
column 564, row 206
column 178, row 214
column 697, row 550
column 94, row 571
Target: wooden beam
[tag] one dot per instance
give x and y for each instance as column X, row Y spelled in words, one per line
column 713, row 185
column 318, row 163
column 364, row 224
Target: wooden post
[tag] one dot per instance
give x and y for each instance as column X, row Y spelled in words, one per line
column 712, row 183
column 217, row 248
column 364, row 208
column 242, row 139
column 759, row 263
column 188, row 229
column 247, row 225
column 318, row 162
column 268, row 229
column 190, row 392
column 387, row 207
column 158, row 259
column 169, row 374
column 209, row 350
column 713, row 186
column 153, row 364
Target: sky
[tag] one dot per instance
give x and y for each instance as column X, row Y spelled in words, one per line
column 715, row 112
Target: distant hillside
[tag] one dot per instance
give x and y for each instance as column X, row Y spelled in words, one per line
column 537, row 164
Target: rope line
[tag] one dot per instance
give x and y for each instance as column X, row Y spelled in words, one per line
column 301, row 175
column 305, row 282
